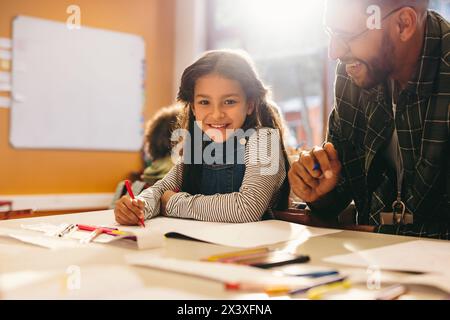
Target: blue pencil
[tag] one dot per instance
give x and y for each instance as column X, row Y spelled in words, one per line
column 317, row 274
column 303, row 290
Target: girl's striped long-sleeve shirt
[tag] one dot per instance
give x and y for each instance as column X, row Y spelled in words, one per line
column 265, row 173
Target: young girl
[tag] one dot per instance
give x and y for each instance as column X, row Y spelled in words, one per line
column 222, row 96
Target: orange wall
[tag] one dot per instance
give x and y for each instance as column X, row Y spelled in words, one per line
column 53, row 171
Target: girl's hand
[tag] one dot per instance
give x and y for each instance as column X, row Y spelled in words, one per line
column 165, row 199
column 129, row 212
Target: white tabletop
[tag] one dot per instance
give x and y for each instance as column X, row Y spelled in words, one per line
column 28, row 271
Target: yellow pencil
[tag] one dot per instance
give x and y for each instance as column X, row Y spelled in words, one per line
column 317, row 293
column 118, row 232
column 236, row 254
column 277, row 290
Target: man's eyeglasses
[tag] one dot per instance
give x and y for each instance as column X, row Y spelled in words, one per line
column 346, row 39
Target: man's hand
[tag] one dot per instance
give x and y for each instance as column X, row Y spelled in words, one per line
column 129, row 212
column 309, row 184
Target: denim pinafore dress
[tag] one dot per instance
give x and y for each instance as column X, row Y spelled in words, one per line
column 227, row 174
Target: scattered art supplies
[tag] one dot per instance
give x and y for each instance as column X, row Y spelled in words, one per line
column 305, row 270
column 64, row 235
column 70, row 233
column 233, row 276
column 261, row 258
column 244, row 235
column 296, row 280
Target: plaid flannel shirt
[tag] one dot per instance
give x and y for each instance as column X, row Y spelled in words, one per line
column 361, row 126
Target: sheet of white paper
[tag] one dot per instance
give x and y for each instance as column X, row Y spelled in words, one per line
column 247, row 235
column 148, row 240
column 153, row 235
column 221, row 272
column 419, row 256
column 240, row 235
column 38, row 239
column 42, row 241
column 47, row 228
column 5, row 102
column 5, row 43
column 440, row 281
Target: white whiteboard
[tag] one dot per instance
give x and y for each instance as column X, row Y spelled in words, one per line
column 76, row 89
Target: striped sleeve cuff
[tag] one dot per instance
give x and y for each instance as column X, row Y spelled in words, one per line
column 151, row 204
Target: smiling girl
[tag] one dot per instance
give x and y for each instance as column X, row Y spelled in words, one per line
column 240, row 175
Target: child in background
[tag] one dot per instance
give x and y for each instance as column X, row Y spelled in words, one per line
column 158, row 145
column 156, row 151
column 221, row 93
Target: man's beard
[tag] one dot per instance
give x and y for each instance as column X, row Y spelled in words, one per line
column 379, row 68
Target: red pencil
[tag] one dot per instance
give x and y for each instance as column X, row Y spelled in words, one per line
column 130, row 192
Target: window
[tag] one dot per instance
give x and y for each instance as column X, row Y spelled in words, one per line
column 286, row 39
column 441, row 6
column 291, row 61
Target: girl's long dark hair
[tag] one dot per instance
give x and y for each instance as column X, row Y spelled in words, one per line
column 237, row 66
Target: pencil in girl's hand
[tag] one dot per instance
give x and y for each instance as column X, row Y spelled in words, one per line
column 130, row 192
column 128, row 186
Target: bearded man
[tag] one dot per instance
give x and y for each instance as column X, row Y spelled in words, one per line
column 387, row 148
